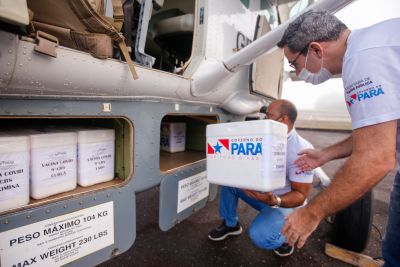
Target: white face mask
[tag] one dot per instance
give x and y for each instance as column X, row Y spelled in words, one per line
column 315, row 78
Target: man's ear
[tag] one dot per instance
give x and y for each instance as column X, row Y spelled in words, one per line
column 285, row 119
column 315, row 48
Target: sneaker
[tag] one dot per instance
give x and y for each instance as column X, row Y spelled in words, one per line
column 284, row 250
column 223, row 231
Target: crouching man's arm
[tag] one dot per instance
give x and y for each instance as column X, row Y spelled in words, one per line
column 291, row 199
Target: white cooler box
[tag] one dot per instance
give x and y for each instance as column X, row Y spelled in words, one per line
column 173, row 136
column 53, row 162
column 14, row 170
column 247, row 155
column 96, row 155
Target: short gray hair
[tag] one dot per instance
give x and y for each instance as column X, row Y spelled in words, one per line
column 311, row 26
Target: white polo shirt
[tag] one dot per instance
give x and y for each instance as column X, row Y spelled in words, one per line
column 295, row 143
column 371, row 75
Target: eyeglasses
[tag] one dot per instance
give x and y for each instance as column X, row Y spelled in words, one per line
column 292, row 63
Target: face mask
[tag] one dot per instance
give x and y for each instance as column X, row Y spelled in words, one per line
column 315, row 78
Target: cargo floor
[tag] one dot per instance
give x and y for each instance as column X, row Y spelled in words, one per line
column 170, row 161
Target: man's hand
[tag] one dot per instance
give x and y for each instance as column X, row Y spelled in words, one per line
column 310, row 159
column 299, row 226
column 365, row 167
column 267, row 198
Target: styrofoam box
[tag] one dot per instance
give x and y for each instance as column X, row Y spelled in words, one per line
column 247, row 155
column 53, row 162
column 96, row 155
column 14, row 170
column 173, row 136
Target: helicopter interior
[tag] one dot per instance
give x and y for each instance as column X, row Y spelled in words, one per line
column 160, row 33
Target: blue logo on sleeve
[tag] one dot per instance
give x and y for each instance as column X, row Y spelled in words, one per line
column 364, row 95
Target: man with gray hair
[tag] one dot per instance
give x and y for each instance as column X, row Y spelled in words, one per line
column 318, row 46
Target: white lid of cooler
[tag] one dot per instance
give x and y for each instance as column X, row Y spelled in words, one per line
column 13, row 142
column 52, row 139
column 258, row 127
column 95, row 135
column 88, row 134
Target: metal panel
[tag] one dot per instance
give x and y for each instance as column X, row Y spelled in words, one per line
column 124, row 219
column 8, row 57
column 146, row 117
column 147, row 120
column 168, row 216
column 123, row 197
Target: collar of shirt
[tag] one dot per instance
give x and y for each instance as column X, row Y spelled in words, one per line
column 291, row 133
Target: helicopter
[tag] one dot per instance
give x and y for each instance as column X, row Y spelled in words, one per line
column 134, row 66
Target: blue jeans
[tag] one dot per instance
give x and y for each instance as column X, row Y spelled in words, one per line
column 266, row 229
column 391, row 242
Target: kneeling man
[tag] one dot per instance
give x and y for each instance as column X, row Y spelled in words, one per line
column 266, row 229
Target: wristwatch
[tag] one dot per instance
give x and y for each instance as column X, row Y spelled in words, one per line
column 278, row 202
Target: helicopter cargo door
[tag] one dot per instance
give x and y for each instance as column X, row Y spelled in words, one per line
column 265, row 73
column 184, row 188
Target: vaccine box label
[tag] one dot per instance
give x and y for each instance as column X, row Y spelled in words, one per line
column 96, row 162
column 53, row 170
column 53, row 165
column 14, row 174
column 14, row 179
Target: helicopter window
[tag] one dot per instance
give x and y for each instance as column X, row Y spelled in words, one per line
column 265, row 81
column 170, row 35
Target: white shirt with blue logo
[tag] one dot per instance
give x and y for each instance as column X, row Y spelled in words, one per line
column 295, row 144
column 371, row 75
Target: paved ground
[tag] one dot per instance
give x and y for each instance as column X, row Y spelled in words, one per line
column 187, row 244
